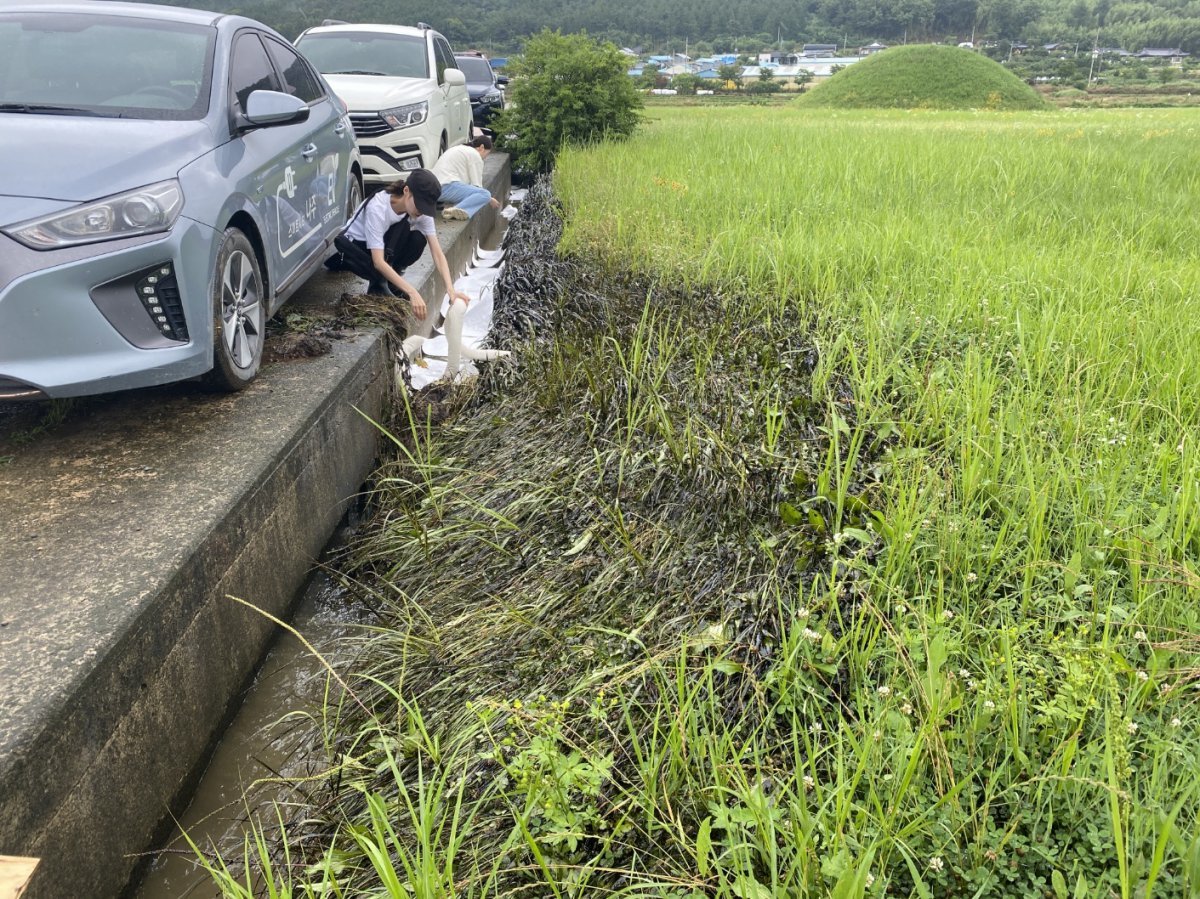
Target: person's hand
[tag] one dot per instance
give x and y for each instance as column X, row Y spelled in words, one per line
column 418, row 304
column 495, row 203
column 459, row 295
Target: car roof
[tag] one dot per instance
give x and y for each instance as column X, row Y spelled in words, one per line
column 386, row 29
column 136, row 10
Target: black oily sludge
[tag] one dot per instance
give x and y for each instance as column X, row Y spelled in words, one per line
column 547, row 540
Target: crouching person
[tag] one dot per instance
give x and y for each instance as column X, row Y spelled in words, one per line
column 390, row 232
column 460, row 171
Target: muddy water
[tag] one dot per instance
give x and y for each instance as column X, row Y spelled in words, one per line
column 258, row 744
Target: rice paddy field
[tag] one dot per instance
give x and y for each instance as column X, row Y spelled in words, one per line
column 834, row 532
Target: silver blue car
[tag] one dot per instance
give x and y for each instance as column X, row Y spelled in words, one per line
column 168, row 178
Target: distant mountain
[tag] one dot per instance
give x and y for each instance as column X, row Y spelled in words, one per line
column 751, row 25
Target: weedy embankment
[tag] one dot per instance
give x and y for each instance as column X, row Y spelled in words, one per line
column 870, row 572
column 594, row 663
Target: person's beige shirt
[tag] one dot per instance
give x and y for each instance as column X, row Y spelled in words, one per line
column 461, row 163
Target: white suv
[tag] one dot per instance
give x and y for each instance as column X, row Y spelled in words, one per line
column 408, row 100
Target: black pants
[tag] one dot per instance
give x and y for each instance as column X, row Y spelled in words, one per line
column 402, row 246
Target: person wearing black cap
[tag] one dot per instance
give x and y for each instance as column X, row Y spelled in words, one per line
column 394, row 226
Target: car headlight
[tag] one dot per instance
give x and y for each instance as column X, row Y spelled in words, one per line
column 146, row 210
column 492, row 97
column 406, row 116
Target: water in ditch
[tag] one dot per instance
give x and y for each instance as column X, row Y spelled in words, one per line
column 263, row 742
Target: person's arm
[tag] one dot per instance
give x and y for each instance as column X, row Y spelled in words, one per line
column 443, row 267
column 475, row 167
column 393, row 278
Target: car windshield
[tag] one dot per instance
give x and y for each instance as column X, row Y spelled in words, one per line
column 477, row 70
column 100, row 65
column 366, row 53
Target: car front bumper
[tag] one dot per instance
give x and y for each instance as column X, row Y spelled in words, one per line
column 75, row 321
column 482, row 112
column 393, row 154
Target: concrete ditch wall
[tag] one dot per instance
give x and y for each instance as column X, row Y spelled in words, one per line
column 120, row 655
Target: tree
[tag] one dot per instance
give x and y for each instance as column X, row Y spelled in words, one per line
column 565, row 89
column 685, row 83
column 649, row 77
column 730, row 74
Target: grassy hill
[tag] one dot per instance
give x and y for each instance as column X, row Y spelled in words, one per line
column 927, row 77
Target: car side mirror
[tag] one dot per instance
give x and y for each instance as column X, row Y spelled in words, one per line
column 502, row 81
column 267, row 108
column 455, row 76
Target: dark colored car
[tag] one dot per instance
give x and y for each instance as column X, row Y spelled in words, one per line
column 484, row 86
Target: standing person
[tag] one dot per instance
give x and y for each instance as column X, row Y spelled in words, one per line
column 394, row 227
column 460, row 170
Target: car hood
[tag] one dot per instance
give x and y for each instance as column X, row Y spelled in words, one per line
column 55, row 162
column 371, row 93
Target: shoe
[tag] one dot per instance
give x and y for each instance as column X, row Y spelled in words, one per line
column 454, row 214
column 378, row 288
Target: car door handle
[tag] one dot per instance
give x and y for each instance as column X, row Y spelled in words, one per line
column 308, row 151
column 339, row 129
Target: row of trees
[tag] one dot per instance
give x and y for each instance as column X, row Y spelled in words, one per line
column 749, row 25
column 728, row 78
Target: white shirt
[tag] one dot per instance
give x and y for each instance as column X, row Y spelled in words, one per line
column 370, row 224
column 462, row 163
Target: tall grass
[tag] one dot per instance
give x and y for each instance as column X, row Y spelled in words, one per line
column 1017, row 299
column 835, row 535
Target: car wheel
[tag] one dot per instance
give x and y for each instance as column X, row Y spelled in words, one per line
column 354, row 196
column 442, row 145
column 239, row 313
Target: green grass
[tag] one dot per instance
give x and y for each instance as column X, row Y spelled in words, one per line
column 836, row 533
column 921, row 76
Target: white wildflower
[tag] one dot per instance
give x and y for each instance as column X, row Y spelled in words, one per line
column 1132, row 727
column 1176, row 722
column 907, row 708
column 947, row 615
column 884, row 691
column 972, row 577
column 988, row 704
column 809, row 783
column 810, row 634
column 1143, row 676
column 936, row 863
column 1140, row 636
